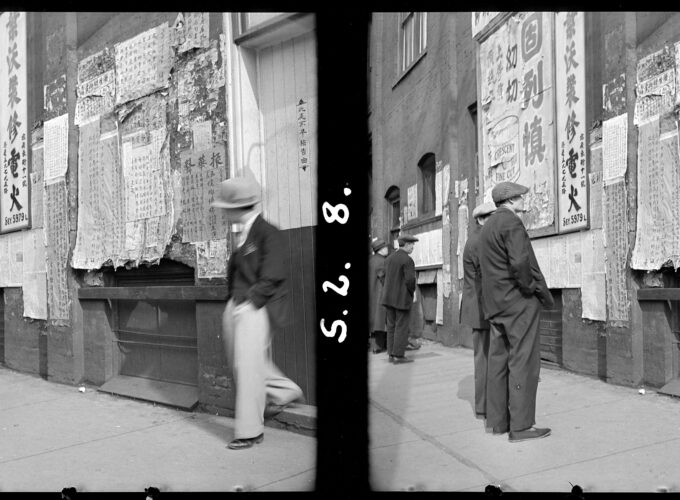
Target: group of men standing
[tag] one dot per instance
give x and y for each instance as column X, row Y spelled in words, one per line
column 503, row 292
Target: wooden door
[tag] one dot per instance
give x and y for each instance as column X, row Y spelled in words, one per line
column 287, row 86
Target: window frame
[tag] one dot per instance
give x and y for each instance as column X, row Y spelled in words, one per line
column 427, row 173
column 412, row 27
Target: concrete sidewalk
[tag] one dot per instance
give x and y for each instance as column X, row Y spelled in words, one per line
column 424, row 434
column 52, row 436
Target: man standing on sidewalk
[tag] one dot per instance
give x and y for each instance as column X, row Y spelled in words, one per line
column 256, row 304
column 376, row 270
column 513, row 289
column 397, row 297
column 471, row 313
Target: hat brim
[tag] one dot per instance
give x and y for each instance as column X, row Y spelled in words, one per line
column 380, row 247
column 242, row 204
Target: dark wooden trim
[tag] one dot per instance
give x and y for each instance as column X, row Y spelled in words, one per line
column 415, row 223
column 218, row 293
column 658, row 294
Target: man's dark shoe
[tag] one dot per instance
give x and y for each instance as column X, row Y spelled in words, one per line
column 531, row 433
column 499, row 430
column 390, row 359
column 401, row 359
column 242, row 444
column 412, row 346
column 480, row 415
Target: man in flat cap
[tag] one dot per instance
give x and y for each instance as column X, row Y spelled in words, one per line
column 376, row 269
column 471, row 312
column 513, row 290
column 256, row 304
column 397, row 297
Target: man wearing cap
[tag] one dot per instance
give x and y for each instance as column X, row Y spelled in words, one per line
column 376, row 269
column 397, row 297
column 471, row 311
column 513, row 290
column 256, row 304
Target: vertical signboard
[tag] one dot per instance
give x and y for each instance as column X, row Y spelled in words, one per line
column 14, row 203
column 518, row 112
column 570, row 91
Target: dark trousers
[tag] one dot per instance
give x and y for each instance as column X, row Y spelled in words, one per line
column 514, row 366
column 480, row 343
column 397, row 330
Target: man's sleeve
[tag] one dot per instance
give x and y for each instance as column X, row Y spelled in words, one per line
column 272, row 269
column 517, row 245
column 410, row 275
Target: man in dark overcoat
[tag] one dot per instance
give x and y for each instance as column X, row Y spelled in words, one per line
column 513, row 290
column 257, row 304
column 471, row 313
column 376, row 271
column 397, row 297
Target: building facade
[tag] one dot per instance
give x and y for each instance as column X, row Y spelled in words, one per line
column 578, row 106
column 118, row 127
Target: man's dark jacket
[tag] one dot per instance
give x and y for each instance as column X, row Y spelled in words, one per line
column 471, row 311
column 510, row 271
column 257, row 272
column 400, row 281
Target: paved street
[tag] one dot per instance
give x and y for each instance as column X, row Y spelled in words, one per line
column 604, row 437
column 53, row 436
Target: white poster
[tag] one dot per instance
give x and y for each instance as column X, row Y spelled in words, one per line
column 570, row 93
column 15, row 206
column 56, row 147
column 614, row 147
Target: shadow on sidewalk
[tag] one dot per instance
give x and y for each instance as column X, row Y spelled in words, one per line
column 466, row 391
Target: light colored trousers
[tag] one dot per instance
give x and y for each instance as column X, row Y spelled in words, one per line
column 247, row 343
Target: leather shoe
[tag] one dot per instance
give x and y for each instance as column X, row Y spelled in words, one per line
column 401, row 359
column 480, row 416
column 530, row 433
column 242, row 444
column 412, row 347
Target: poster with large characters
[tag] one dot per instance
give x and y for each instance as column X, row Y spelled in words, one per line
column 517, row 112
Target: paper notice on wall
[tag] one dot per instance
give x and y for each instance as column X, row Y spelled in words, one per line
column 144, row 179
column 542, row 253
column 614, row 97
column 559, row 261
column 412, row 202
column 658, row 235
column 463, row 218
column 446, row 274
column 191, row 31
column 595, row 181
column 614, row 147
column 446, row 183
column 11, row 259
column 57, row 243
column 54, row 98
column 655, row 89
column 439, row 315
column 37, row 186
column 202, row 172
column 56, row 147
column 593, row 288
column 211, row 258
column 574, row 259
column 101, row 229
column 202, row 135
column 438, row 193
column 4, row 260
column 96, row 86
column 34, row 280
column 616, row 249
column 143, row 64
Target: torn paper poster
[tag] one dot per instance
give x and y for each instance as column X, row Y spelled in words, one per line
column 655, row 88
column 191, row 30
column 57, row 243
column 96, row 86
column 593, row 287
column 202, row 133
column 595, row 180
column 54, row 98
column 440, row 298
column 101, row 229
column 614, row 147
column 37, row 188
column 615, row 226
column 34, row 278
column 56, row 147
column 145, row 178
column 211, row 258
column 438, row 193
column 143, row 64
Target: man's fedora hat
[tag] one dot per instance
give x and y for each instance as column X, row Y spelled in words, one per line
column 237, row 192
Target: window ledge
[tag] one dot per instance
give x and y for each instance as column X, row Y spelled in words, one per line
column 408, row 70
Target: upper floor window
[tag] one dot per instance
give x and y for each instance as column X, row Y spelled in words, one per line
column 394, row 211
column 412, row 38
column 426, row 184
